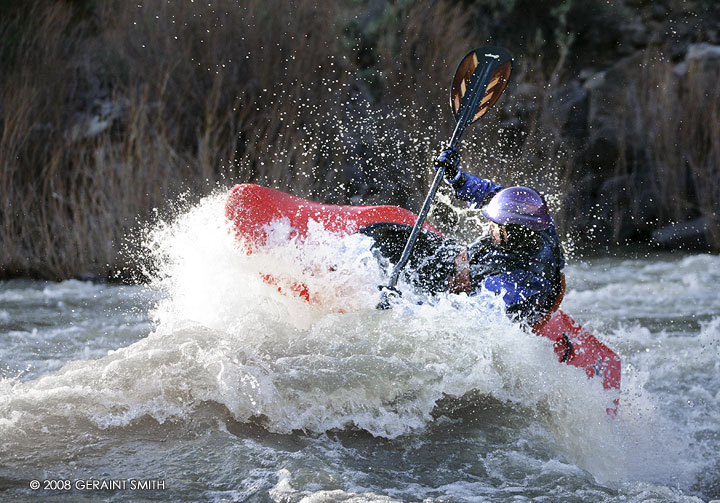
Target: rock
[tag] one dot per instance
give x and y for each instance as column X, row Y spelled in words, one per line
column 608, row 94
column 579, row 213
column 634, row 209
column 101, row 118
column 600, row 156
column 636, row 34
column 658, row 12
column 593, row 81
column 90, row 277
column 570, row 108
column 373, row 11
column 525, row 98
column 680, row 69
column 587, row 74
column 703, row 52
column 704, row 56
column 691, row 234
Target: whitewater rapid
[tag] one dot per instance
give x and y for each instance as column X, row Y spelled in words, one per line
column 220, row 352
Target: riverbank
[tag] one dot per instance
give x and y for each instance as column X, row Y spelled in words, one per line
column 112, row 111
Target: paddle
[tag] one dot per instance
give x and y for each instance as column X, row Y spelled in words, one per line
column 479, row 80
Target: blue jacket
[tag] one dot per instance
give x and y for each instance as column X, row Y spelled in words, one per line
column 528, row 280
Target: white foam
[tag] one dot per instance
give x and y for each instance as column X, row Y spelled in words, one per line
column 284, row 491
column 223, row 335
column 671, row 287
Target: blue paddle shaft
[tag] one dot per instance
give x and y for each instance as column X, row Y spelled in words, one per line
column 478, row 84
column 416, row 228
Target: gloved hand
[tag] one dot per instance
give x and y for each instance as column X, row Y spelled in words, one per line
column 387, row 295
column 449, row 159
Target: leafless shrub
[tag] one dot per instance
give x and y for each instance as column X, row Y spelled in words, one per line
column 671, row 118
column 191, row 94
column 111, row 110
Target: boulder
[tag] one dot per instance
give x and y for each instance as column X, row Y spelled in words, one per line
column 99, row 119
column 634, row 207
column 570, row 108
column 704, row 55
column 607, row 98
column 703, row 52
column 691, row 234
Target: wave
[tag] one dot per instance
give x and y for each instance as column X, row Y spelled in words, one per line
column 224, row 336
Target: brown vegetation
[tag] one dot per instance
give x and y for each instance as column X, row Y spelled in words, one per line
column 110, row 110
column 186, row 93
column 678, row 121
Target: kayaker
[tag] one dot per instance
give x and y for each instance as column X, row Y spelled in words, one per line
column 521, row 257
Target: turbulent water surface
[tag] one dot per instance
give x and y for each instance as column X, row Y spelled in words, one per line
column 209, row 385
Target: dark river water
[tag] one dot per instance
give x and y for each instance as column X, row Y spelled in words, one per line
column 208, row 385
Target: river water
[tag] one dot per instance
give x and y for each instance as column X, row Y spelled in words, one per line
column 209, row 385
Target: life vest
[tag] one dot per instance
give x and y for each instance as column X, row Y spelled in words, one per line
column 530, row 280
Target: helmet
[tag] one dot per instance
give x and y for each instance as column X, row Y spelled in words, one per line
column 520, row 206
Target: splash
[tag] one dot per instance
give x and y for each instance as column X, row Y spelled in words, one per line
column 224, row 336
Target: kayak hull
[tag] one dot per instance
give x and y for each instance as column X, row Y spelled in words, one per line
column 251, row 208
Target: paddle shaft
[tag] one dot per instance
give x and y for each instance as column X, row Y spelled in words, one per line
column 478, row 84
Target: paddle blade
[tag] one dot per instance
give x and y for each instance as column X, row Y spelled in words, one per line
column 489, row 64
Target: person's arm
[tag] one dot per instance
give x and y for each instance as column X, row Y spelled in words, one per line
column 467, row 187
column 474, row 189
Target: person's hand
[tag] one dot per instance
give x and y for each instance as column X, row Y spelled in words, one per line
column 387, row 295
column 449, row 159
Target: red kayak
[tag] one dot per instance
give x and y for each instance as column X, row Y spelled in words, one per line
column 250, row 208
